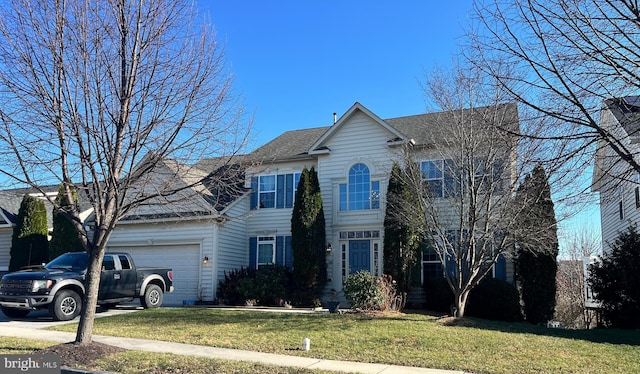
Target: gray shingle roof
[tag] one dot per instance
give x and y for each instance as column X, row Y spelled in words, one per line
column 424, row 129
column 291, row 144
column 627, row 111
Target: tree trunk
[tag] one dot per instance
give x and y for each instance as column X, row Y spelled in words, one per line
column 460, row 304
column 90, row 298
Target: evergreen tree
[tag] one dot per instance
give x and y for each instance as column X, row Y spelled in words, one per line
column 402, row 227
column 308, row 239
column 29, row 244
column 615, row 282
column 536, row 256
column 64, row 237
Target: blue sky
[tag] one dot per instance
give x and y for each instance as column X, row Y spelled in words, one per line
column 297, row 62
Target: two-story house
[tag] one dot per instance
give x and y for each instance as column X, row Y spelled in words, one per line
column 618, row 185
column 204, row 235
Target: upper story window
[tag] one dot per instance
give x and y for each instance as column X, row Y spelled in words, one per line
column 444, row 178
column 636, row 188
column 437, row 174
column 620, row 203
column 274, row 190
column 267, row 191
column 360, row 192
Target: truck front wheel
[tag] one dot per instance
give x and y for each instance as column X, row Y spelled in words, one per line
column 14, row 312
column 66, row 305
column 152, row 297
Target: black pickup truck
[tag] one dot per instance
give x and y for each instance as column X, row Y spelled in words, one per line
column 59, row 285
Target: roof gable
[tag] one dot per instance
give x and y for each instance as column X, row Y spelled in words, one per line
column 626, row 111
column 189, row 191
column 319, row 145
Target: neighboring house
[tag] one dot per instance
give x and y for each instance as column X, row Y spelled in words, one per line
column 205, row 230
column 199, row 231
column 10, row 201
column 618, row 185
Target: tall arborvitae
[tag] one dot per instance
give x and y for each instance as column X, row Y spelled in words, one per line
column 308, row 240
column 536, row 264
column 402, row 227
column 64, row 237
column 29, row 244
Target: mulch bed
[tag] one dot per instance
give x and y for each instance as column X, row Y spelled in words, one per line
column 80, row 355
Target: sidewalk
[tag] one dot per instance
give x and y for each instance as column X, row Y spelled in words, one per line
column 224, row 353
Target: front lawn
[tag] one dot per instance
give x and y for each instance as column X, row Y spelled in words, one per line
column 137, row 362
column 410, row 339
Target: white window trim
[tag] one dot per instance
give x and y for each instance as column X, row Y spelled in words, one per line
column 266, row 240
column 440, row 178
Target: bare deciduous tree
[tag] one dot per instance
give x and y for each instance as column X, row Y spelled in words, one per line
column 472, row 160
column 565, row 58
column 100, row 95
column 570, row 293
column 467, row 178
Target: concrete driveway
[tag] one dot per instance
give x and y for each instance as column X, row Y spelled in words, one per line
column 39, row 319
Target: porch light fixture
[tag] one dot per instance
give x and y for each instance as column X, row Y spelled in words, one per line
column 205, row 260
column 329, row 248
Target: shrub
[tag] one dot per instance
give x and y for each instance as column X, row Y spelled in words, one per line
column 265, row 285
column 271, row 283
column 494, row 299
column 615, row 281
column 362, row 291
column 237, row 286
column 29, row 245
column 438, row 295
column 391, row 300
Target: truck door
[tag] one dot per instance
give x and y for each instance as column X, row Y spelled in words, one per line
column 128, row 278
column 108, row 278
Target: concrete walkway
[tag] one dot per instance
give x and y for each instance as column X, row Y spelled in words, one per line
column 221, row 353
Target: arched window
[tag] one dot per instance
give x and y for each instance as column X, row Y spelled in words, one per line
column 360, row 192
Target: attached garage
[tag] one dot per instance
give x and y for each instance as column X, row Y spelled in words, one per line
column 184, row 260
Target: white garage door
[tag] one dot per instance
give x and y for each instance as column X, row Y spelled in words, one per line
column 184, row 260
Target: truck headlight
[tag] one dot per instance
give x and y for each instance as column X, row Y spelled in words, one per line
column 41, row 284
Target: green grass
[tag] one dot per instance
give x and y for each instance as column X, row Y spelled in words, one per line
column 134, row 362
column 412, row 339
column 17, row 346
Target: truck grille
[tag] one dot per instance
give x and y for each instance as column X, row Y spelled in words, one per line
column 11, row 285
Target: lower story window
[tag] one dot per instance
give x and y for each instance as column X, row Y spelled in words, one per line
column 431, row 265
column 266, row 250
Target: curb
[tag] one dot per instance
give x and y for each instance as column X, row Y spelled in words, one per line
column 68, row 370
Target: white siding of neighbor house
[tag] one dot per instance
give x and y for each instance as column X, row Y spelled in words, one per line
column 233, row 247
column 5, row 247
column 611, row 223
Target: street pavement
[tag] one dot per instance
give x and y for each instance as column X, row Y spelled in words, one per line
column 33, row 325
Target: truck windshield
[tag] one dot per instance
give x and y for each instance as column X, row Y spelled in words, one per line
column 71, row 261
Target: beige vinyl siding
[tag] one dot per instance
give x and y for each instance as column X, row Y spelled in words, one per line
column 179, row 234
column 233, row 247
column 359, row 140
column 272, row 221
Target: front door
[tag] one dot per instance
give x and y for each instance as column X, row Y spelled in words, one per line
column 359, row 255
